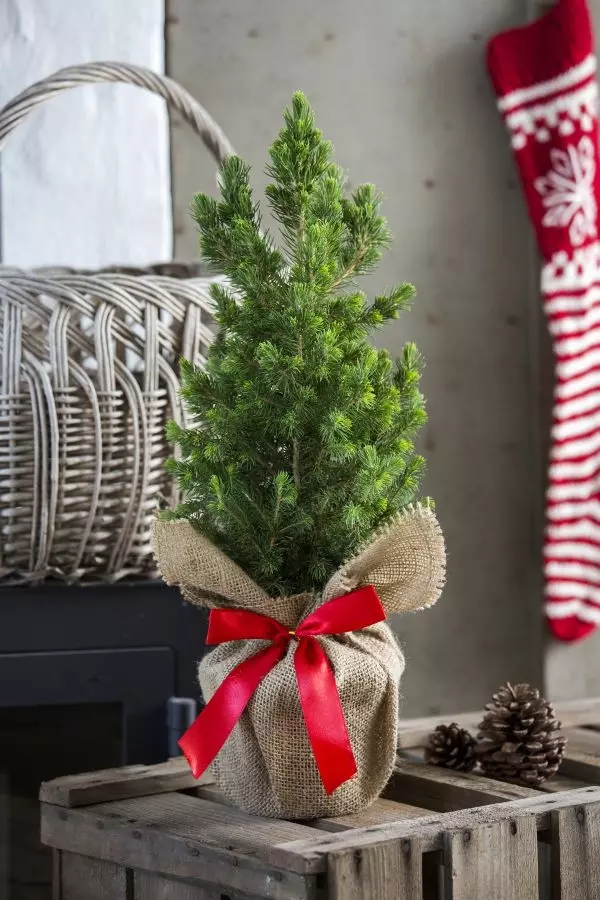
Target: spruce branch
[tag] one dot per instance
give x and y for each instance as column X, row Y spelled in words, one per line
column 296, row 462
column 299, row 440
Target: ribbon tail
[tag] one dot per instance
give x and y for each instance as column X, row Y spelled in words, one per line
column 323, row 715
column 203, row 740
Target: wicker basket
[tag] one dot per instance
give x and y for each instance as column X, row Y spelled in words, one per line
column 88, row 379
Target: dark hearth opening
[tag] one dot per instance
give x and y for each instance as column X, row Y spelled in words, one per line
column 38, row 744
column 86, row 675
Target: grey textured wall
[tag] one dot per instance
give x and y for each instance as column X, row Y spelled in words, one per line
column 401, row 90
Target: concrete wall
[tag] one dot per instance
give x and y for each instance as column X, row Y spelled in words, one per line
column 401, row 90
column 85, row 180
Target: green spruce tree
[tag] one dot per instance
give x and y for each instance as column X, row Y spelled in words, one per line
column 302, row 437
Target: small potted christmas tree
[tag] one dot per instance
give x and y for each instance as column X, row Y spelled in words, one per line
column 299, row 472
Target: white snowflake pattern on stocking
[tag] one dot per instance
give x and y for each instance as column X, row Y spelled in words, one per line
column 568, row 191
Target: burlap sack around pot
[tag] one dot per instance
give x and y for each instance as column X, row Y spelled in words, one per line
column 266, row 766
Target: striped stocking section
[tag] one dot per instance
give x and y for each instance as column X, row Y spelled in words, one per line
column 545, row 78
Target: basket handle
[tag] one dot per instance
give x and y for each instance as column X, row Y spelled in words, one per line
column 92, row 73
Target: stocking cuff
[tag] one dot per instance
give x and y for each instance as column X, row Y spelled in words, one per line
column 543, row 57
column 545, row 76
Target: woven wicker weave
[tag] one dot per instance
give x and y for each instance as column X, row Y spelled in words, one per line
column 88, row 378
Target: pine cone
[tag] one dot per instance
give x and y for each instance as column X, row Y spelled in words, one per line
column 519, row 737
column 452, row 747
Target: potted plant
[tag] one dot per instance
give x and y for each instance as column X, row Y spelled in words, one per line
column 299, row 528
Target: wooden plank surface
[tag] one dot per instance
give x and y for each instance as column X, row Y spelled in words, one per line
column 582, row 766
column 56, row 875
column 562, row 783
column 495, row 862
column 83, row 878
column 583, row 740
column 380, row 812
column 430, row 829
column 155, row 887
column 576, row 853
column 389, row 869
column 414, row 732
column 173, row 775
column 185, row 837
column 120, row 784
column 212, row 823
column 443, row 790
column 572, row 714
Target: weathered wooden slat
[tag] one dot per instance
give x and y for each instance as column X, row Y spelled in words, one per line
column 154, row 887
column 93, row 879
column 444, row 791
column 174, row 775
column 193, row 818
column 379, row 813
column 572, row 714
column 414, row 732
column 430, row 829
column 576, row 853
column 185, row 837
column 581, row 766
column 583, row 740
column 120, row 784
column 412, row 754
column 562, row 783
column 496, row 861
column 211, row 792
column 387, row 869
column 56, row 875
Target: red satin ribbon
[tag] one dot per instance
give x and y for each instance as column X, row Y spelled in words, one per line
column 319, row 698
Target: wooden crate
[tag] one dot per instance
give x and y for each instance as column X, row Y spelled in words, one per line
column 153, row 833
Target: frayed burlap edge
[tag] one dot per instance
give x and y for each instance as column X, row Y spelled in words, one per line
column 405, row 562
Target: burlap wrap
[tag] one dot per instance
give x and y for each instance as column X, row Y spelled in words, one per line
column 267, row 766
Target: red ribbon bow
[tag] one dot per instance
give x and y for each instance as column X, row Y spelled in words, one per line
column 319, row 698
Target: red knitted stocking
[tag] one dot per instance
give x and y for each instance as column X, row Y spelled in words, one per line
column 545, row 78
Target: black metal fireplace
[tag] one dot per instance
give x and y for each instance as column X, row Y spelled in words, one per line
column 86, row 676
